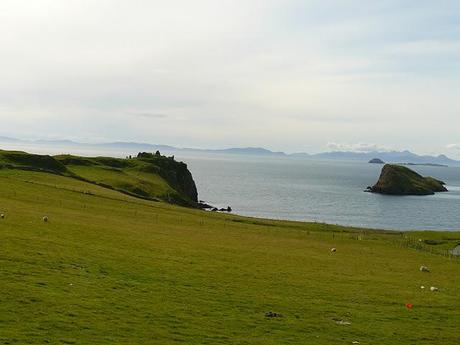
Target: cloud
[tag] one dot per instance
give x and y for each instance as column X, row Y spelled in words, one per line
column 149, row 115
column 453, row 146
column 285, row 74
column 357, row 147
column 427, row 48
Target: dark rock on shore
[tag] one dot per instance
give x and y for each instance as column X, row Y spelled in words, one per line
column 215, row 209
column 203, row 205
column 400, row 180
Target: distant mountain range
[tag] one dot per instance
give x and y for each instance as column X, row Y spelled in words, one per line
column 390, row 157
column 386, row 156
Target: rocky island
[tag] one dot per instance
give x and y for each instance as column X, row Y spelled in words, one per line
column 376, row 161
column 400, row 180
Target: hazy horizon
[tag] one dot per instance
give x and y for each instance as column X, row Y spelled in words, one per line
column 293, row 76
column 41, row 146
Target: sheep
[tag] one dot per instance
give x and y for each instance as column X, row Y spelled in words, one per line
column 2, row 216
column 333, row 250
column 434, row 289
column 45, row 219
column 424, row 269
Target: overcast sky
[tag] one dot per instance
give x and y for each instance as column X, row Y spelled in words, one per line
column 284, row 74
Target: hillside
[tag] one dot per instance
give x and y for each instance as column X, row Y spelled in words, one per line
column 148, row 176
column 110, row 268
column 400, row 180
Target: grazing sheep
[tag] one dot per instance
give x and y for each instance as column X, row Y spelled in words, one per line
column 45, row 219
column 333, row 250
column 433, row 288
column 343, row 322
column 2, row 216
column 424, row 269
column 456, row 250
column 422, row 287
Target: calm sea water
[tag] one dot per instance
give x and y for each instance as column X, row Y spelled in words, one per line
column 323, row 191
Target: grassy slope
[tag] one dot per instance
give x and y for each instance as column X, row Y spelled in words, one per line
column 137, row 177
column 131, row 181
column 112, row 269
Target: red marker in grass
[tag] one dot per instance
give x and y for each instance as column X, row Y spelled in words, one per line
column 409, row 306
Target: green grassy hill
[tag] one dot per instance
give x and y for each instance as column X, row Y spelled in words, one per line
column 110, row 268
column 148, row 176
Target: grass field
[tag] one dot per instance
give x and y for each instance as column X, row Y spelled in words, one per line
column 109, row 268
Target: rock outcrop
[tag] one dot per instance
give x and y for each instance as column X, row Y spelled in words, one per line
column 400, row 180
column 376, row 161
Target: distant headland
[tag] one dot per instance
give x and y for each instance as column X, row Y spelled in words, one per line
column 385, row 156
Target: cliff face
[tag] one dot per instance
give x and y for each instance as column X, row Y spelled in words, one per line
column 400, row 180
column 175, row 173
column 182, row 178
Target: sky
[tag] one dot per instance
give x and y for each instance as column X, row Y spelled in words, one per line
column 282, row 74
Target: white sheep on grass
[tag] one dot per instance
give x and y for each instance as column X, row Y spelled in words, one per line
column 45, row 219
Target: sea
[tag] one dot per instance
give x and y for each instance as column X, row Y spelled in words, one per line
column 326, row 191
column 323, row 191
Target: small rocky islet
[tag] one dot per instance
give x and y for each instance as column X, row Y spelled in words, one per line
column 376, row 161
column 400, row 180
